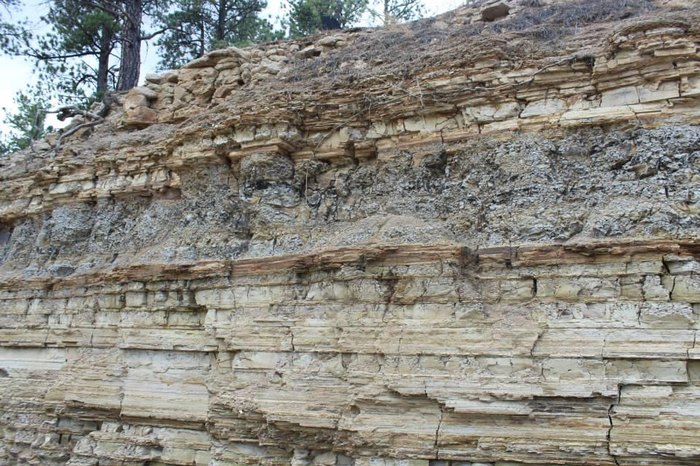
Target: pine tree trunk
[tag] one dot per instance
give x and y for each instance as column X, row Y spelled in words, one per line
column 131, row 45
column 103, row 61
column 202, row 37
column 220, row 35
column 339, row 13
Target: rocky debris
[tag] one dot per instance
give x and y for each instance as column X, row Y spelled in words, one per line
column 447, row 243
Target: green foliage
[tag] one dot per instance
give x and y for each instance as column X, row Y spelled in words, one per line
column 306, row 17
column 79, row 28
column 72, row 60
column 254, row 31
column 92, row 47
column 75, row 55
column 194, row 27
column 11, row 35
column 27, row 123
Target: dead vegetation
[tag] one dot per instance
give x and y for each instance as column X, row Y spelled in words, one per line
column 405, row 50
column 377, row 69
column 550, row 22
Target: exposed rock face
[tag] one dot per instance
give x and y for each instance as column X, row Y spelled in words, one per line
column 444, row 243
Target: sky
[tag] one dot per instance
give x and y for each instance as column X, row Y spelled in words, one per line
column 17, row 73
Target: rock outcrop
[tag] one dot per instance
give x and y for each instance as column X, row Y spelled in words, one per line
column 454, row 242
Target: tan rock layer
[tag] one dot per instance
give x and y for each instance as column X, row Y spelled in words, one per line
column 610, row 250
column 644, row 73
column 561, row 354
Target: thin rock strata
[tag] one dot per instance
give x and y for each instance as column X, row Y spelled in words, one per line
column 448, row 243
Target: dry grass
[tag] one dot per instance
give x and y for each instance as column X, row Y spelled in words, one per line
column 380, row 67
column 561, row 19
column 404, row 50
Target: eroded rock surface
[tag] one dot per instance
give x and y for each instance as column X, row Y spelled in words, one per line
column 448, row 243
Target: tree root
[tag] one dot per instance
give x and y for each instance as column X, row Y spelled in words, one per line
column 71, row 111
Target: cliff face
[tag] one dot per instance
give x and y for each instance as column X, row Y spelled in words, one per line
column 451, row 242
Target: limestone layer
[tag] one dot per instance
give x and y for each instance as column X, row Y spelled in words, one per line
column 578, row 354
column 448, row 243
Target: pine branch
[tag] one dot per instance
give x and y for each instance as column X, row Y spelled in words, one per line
column 154, row 34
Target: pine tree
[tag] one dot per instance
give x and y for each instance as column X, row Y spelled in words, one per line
column 78, row 56
column 306, row 17
column 194, row 27
column 74, row 58
column 76, row 61
column 27, row 124
column 130, row 16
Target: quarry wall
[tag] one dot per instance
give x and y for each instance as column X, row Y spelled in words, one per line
column 429, row 245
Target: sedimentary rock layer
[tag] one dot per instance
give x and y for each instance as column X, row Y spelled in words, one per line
column 579, row 354
column 444, row 243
